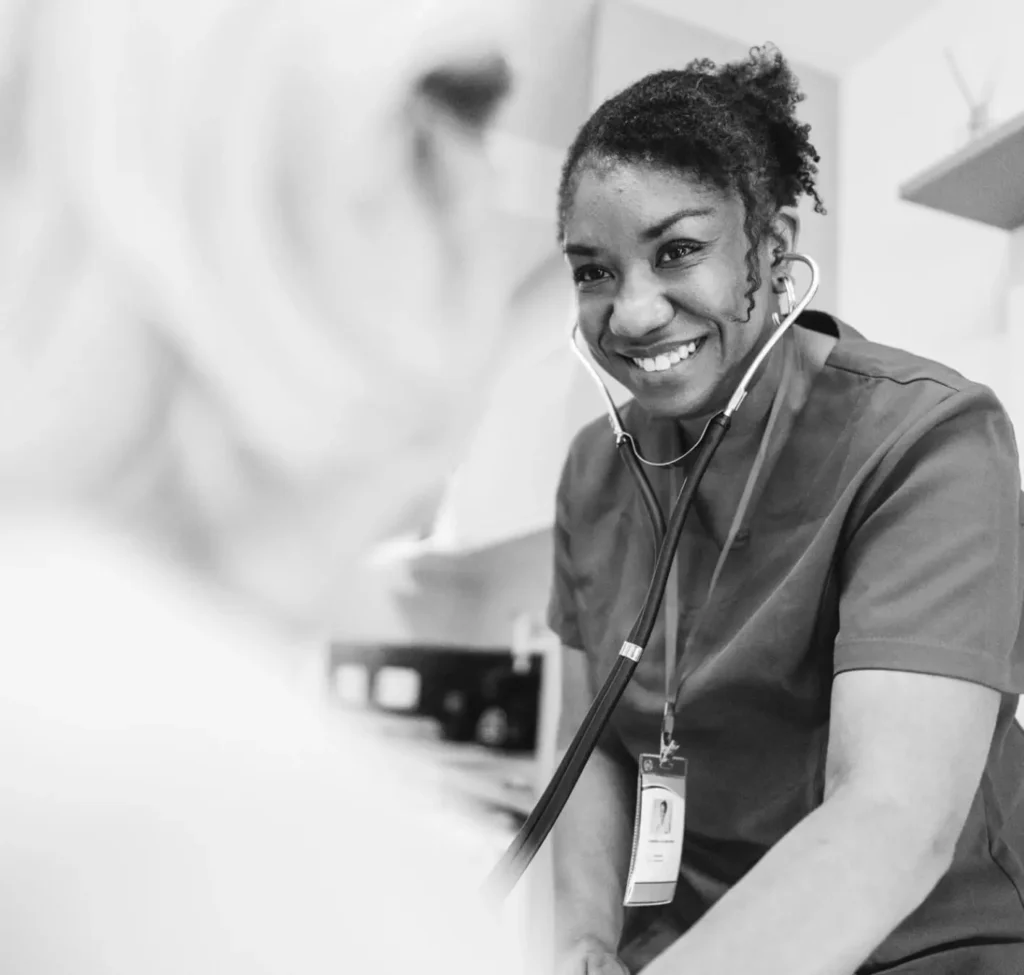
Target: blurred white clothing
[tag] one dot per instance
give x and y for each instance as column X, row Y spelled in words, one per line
column 170, row 806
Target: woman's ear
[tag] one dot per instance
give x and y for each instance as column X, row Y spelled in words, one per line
column 785, row 233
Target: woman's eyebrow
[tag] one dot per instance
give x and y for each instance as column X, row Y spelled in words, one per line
column 649, row 233
column 580, row 250
column 656, row 230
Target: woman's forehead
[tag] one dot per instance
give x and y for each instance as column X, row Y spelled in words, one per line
column 634, row 200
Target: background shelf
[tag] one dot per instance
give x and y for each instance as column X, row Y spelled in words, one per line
column 984, row 181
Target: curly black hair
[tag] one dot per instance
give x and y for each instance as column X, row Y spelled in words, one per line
column 733, row 126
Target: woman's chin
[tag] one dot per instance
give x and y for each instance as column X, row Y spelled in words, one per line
column 678, row 406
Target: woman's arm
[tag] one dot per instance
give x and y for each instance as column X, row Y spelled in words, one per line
column 906, row 754
column 593, row 836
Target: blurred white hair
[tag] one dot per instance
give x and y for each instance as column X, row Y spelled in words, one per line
column 240, row 259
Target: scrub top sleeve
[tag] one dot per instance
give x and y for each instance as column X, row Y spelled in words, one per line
column 562, row 615
column 931, row 579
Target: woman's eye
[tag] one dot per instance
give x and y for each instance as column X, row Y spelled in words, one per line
column 678, row 250
column 588, row 274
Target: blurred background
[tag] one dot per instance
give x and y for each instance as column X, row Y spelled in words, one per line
column 917, row 110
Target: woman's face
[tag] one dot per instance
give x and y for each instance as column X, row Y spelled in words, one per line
column 659, row 263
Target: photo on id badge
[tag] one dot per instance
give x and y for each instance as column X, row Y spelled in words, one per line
column 661, row 818
column 664, row 822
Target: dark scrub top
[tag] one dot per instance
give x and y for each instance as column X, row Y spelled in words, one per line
column 887, row 535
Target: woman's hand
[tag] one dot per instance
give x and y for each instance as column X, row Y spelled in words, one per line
column 590, row 957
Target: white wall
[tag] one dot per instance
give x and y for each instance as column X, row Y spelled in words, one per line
column 910, row 276
column 827, row 35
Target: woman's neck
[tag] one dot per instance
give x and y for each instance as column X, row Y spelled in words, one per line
column 752, row 415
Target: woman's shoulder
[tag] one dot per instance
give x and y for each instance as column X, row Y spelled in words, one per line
column 896, row 371
column 883, row 403
column 891, row 388
column 593, row 454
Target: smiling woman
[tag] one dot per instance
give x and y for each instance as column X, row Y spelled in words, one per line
column 846, row 609
column 671, row 242
column 661, row 301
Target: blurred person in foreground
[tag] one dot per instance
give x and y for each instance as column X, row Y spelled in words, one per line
column 243, row 284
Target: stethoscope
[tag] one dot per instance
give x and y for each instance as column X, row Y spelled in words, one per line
column 626, row 443
column 542, row 818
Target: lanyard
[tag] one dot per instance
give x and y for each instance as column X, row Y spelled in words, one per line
column 747, row 500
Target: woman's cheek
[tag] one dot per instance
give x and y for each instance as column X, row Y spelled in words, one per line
column 594, row 319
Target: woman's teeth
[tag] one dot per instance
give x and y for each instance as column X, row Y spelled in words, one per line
column 668, row 359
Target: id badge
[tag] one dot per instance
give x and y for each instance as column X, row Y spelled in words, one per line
column 657, row 832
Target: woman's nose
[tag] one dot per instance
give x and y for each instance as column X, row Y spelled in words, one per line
column 639, row 309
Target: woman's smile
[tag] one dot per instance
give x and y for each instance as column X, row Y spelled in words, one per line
column 667, row 366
